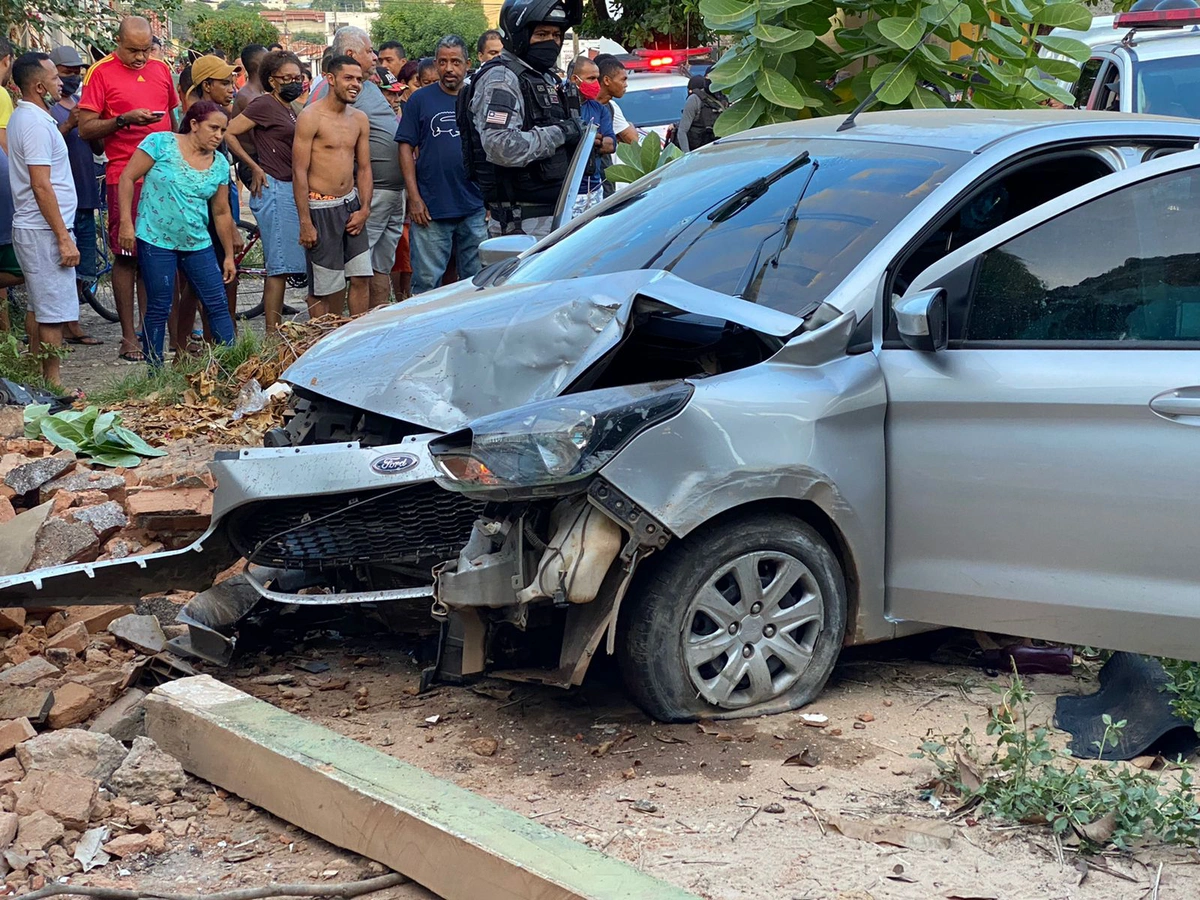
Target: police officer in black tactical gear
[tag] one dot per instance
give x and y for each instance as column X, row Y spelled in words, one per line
column 519, row 131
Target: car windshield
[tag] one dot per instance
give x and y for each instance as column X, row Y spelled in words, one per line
column 1169, row 87
column 860, row 192
column 647, row 106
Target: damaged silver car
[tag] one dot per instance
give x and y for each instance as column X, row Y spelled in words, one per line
column 797, row 390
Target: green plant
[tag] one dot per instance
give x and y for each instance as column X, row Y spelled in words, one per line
column 89, row 433
column 420, row 24
column 646, row 23
column 639, row 159
column 1183, row 682
column 44, row 23
column 229, row 30
column 780, row 68
column 1024, row 778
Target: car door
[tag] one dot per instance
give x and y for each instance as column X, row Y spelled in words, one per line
column 1043, row 471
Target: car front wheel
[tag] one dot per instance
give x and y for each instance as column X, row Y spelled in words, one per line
column 745, row 616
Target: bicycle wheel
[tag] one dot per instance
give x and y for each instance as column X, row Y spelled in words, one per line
column 252, row 273
column 99, row 296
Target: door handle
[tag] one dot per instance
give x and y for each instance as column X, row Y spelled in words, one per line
column 1177, row 403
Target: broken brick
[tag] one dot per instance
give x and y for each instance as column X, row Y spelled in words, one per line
column 12, row 618
column 60, row 542
column 97, row 618
column 73, row 703
column 38, row 831
column 66, row 797
column 27, row 673
column 32, row 475
column 72, row 637
column 13, row 732
column 106, row 519
column 113, row 486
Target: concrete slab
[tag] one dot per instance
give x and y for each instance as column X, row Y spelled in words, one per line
column 455, row 843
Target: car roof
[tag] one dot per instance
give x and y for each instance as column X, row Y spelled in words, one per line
column 649, row 80
column 969, row 130
column 1159, row 44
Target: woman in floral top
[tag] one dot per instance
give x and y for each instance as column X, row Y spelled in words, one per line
column 183, row 174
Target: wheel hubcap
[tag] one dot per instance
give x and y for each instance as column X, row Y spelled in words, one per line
column 750, row 632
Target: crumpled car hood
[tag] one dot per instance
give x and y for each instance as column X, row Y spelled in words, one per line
column 459, row 353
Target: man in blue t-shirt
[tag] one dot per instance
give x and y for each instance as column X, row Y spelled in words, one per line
column 444, row 206
column 585, row 75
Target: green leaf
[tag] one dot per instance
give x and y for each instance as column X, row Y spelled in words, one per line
column 923, row 98
column 1065, row 46
column 740, row 116
column 64, row 435
column 1074, row 16
column 1061, row 69
column 619, row 174
column 651, row 150
column 1018, row 11
column 718, row 13
column 135, row 443
column 34, row 413
column 899, row 85
column 669, row 155
column 1002, row 47
column 734, row 67
column 116, row 458
column 778, row 90
column 797, row 40
column 1052, row 89
column 630, row 154
column 904, row 33
column 102, row 425
column 771, row 33
column 781, row 63
column 778, row 6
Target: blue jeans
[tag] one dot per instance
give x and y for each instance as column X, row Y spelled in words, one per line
column 159, row 265
column 85, row 240
column 432, row 244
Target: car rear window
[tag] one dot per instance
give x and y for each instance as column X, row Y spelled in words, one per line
column 858, row 193
column 1169, row 87
column 646, row 106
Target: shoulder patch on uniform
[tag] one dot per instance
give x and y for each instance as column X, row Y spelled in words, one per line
column 497, row 117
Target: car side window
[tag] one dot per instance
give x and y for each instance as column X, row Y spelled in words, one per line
column 1108, row 95
column 1087, row 80
column 1124, row 267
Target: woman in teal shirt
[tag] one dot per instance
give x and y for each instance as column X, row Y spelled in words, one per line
column 183, row 174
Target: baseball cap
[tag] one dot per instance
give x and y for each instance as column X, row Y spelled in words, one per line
column 206, row 67
column 388, row 81
column 66, row 56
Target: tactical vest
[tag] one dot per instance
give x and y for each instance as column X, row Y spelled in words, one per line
column 701, row 130
column 536, row 184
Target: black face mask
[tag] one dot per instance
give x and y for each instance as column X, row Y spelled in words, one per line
column 542, row 55
column 290, row 92
column 70, row 84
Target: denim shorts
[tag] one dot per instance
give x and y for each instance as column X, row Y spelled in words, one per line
column 279, row 225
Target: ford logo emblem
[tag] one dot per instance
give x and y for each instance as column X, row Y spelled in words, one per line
column 393, row 463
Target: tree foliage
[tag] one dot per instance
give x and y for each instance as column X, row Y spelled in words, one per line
column 420, row 24
column 780, row 66
column 229, row 30
column 90, row 24
column 646, row 23
column 339, row 5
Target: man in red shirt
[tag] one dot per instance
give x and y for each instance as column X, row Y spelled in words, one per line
column 126, row 96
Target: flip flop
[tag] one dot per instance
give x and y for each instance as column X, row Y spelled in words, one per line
column 132, row 356
column 87, row 340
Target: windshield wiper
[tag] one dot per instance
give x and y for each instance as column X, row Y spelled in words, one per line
column 750, row 273
column 744, row 196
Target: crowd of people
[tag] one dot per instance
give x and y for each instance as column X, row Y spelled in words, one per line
column 377, row 178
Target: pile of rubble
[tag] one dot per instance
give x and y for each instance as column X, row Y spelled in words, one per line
column 56, row 508
column 72, row 800
column 70, row 796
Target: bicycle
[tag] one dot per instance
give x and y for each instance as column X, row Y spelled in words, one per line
column 251, row 274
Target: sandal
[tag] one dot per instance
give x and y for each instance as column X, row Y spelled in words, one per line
column 133, row 356
column 85, row 339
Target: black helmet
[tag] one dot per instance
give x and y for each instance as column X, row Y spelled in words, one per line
column 518, row 18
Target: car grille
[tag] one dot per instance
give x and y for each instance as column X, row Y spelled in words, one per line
column 411, row 525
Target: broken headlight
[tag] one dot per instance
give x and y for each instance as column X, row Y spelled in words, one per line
column 553, row 442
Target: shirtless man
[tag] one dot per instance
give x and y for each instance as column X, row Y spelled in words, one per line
column 331, row 137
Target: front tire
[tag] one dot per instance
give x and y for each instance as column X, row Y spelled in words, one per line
column 743, row 617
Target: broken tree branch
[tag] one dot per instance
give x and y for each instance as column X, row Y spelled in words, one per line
column 349, row 889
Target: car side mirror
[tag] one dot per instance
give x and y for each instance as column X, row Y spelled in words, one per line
column 921, row 320
column 498, row 249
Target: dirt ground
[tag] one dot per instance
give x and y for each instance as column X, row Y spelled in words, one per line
column 691, row 804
